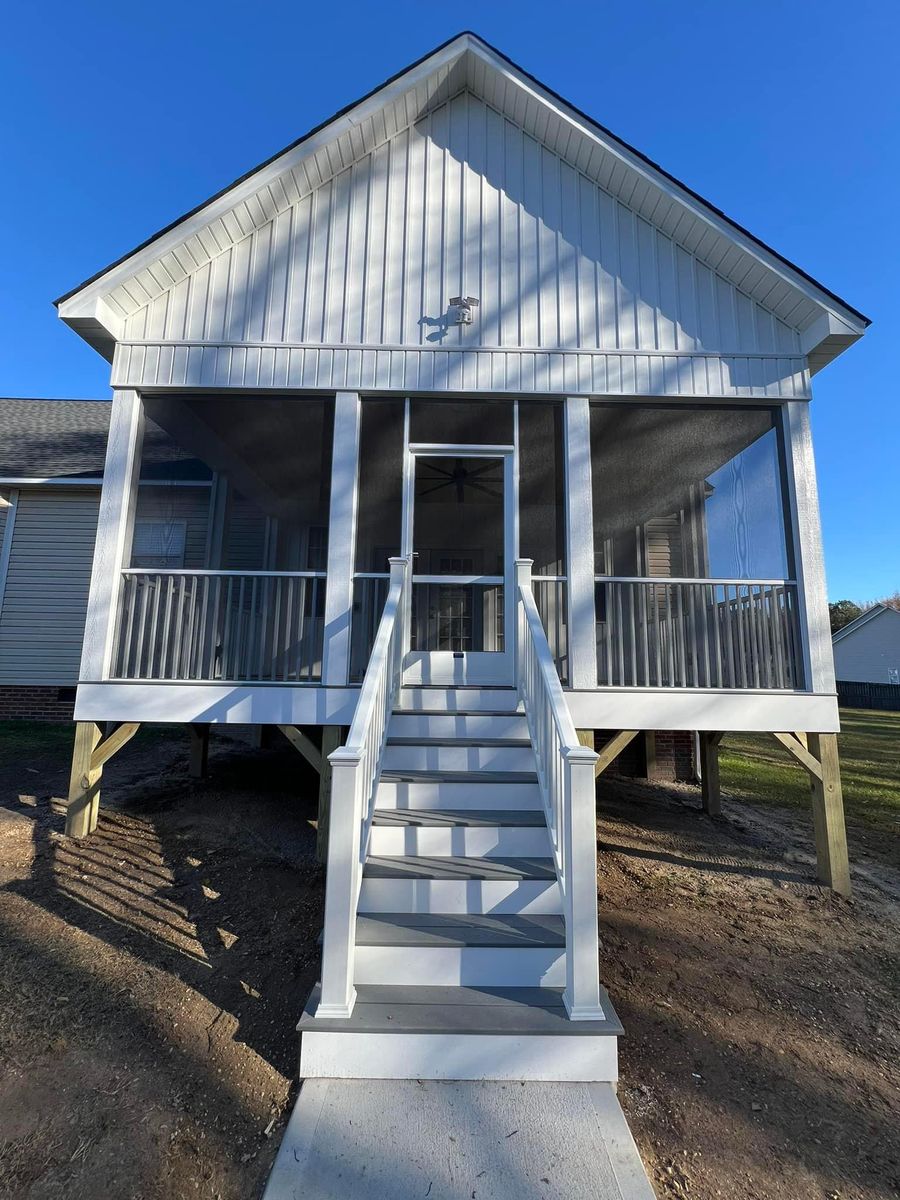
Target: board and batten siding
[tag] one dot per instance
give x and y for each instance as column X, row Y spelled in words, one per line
column 463, row 202
column 45, row 600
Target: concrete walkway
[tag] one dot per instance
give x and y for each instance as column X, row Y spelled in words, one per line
column 410, row 1140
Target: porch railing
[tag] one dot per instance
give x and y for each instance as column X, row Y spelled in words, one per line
column 698, row 633
column 566, row 778
column 261, row 626
column 355, row 770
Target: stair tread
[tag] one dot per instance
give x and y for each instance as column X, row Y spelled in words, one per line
column 532, row 818
column 473, row 775
column 382, row 866
column 398, row 1009
column 460, row 929
column 468, row 742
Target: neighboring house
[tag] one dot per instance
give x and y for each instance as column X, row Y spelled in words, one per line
column 868, row 649
column 522, row 424
column 51, row 466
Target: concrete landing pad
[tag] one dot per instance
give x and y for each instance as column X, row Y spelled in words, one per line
column 409, row 1140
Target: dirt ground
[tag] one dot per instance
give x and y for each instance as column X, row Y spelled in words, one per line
column 152, row 977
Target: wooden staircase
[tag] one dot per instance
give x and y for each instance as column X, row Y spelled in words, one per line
column 460, row 939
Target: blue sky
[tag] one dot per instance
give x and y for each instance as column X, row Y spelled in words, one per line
column 118, row 118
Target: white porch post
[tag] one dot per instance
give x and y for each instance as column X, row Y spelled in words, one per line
column 341, row 539
column 582, row 992
column 114, row 529
column 809, row 561
column 580, row 544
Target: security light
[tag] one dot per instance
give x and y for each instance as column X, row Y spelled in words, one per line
column 461, row 309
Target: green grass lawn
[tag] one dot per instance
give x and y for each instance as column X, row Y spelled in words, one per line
column 756, row 768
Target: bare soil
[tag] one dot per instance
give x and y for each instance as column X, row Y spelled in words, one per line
column 152, row 977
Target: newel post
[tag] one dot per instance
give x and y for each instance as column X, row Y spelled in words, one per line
column 582, row 992
column 338, row 993
column 399, row 574
column 523, row 583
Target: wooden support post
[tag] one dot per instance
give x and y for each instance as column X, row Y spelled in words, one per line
column 199, row 750
column 90, row 752
column 649, row 754
column 828, row 814
column 586, row 737
column 305, row 745
column 332, row 736
column 710, row 790
column 84, row 783
column 613, row 749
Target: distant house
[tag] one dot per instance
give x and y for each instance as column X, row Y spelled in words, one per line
column 868, row 649
column 51, row 469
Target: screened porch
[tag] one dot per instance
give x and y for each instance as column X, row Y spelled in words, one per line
column 233, row 576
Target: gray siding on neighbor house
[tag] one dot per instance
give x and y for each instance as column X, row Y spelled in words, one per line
column 188, row 504
column 44, row 604
column 869, row 653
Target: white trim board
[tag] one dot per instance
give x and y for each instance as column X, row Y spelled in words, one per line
column 216, row 366
column 609, row 708
column 6, row 545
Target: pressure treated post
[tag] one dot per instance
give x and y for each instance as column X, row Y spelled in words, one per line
column 331, row 739
column 83, row 808
column 582, row 992
column 199, row 750
column 710, row 789
column 833, row 866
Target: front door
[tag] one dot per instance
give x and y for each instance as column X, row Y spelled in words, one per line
column 461, row 536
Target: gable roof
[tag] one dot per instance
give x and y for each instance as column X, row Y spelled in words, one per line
column 47, row 440
column 98, row 307
column 869, row 615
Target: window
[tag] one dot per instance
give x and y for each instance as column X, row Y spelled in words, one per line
column 158, row 544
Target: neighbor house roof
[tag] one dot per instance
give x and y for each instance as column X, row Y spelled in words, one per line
column 66, row 439
column 98, row 307
column 869, row 615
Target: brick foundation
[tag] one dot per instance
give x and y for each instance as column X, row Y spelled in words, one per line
column 33, row 703
column 664, row 756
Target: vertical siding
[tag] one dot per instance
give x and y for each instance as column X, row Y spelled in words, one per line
column 869, row 653
column 466, row 201
column 42, row 620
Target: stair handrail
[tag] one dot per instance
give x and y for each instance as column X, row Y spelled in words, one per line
column 355, row 768
column 566, row 778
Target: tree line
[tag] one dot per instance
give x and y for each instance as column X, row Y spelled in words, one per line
column 842, row 612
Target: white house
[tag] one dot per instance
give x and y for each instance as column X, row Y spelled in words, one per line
column 868, row 649
column 524, row 422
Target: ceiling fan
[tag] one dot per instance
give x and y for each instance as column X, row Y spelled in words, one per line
column 461, row 477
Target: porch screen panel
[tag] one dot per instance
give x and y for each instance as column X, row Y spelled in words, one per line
column 692, row 495
column 542, row 532
column 248, row 496
column 462, row 422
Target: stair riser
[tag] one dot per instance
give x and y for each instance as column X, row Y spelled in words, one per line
column 430, row 794
column 484, row 842
column 458, row 1056
column 477, row 896
column 459, row 758
column 462, row 966
column 447, row 725
column 456, row 700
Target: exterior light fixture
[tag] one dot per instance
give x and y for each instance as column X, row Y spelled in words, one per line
column 461, row 309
